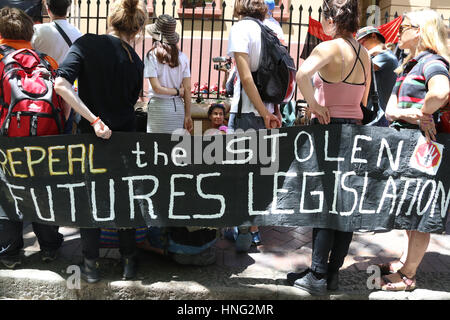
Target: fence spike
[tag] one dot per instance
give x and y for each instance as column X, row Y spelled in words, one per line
column 224, row 4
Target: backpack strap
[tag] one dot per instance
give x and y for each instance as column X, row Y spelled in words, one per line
column 239, row 114
column 62, row 33
column 5, row 50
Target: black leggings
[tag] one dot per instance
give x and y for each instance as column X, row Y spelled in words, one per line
column 11, row 237
column 329, row 244
column 90, row 238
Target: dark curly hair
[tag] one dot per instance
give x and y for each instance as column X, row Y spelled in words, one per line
column 215, row 106
column 345, row 14
column 251, row 8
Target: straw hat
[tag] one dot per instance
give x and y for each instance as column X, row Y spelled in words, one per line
column 164, row 29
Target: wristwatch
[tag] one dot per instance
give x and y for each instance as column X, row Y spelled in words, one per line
column 178, row 92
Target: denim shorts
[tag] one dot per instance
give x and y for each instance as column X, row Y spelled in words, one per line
column 245, row 122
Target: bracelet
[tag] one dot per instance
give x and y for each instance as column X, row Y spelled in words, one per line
column 178, row 92
column 95, row 121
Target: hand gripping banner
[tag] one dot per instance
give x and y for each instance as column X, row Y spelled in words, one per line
column 344, row 177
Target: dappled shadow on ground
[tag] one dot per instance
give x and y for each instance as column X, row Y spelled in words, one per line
column 242, row 271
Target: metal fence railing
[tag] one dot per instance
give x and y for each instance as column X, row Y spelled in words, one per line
column 204, row 27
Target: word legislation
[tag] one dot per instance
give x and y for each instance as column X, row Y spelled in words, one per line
column 344, row 177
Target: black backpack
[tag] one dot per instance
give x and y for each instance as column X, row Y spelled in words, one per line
column 275, row 77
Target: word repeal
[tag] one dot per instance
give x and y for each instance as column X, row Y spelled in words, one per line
column 61, row 157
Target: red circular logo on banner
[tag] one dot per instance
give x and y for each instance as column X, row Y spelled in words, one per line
column 428, row 155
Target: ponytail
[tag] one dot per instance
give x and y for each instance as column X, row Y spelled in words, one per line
column 128, row 17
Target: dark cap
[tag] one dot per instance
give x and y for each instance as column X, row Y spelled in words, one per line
column 369, row 30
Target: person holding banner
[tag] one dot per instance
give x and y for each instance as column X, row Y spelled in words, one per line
column 422, row 88
column 16, row 32
column 340, row 69
column 110, row 77
column 244, row 45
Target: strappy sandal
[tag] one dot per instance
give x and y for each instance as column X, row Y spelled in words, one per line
column 410, row 283
column 386, row 268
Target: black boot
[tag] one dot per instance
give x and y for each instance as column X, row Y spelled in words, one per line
column 90, row 270
column 129, row 267
column 11, row 262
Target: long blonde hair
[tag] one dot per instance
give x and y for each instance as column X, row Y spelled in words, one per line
column 433, row 34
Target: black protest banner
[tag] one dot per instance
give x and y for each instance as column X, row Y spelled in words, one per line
column 344, row 177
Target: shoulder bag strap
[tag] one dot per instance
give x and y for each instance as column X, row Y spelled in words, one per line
column 374, row 83
column 62, row 33
column 239, row 114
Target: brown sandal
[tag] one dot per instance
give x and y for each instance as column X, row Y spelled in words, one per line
column 410, row 283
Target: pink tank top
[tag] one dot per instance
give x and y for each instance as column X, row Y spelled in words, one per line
column 342, row 98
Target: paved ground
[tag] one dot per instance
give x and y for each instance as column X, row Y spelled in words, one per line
column 258, row 275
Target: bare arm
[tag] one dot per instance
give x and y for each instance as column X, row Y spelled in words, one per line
column 437, row 95
column 65, row 90
column 247, row 83
column 156, row 86
column 187, row 104
column 393, row 112
column 319, row 57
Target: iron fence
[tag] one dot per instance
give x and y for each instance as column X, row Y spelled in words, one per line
column 204, row 33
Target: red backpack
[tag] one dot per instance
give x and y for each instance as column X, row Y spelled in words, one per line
column 29, row 103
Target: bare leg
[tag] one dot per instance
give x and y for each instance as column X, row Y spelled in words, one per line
column 396, row 265
column 417, row 246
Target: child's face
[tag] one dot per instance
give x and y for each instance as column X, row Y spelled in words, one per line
column 217, row 117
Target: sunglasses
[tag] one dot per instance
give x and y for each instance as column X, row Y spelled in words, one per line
column 404, row 27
